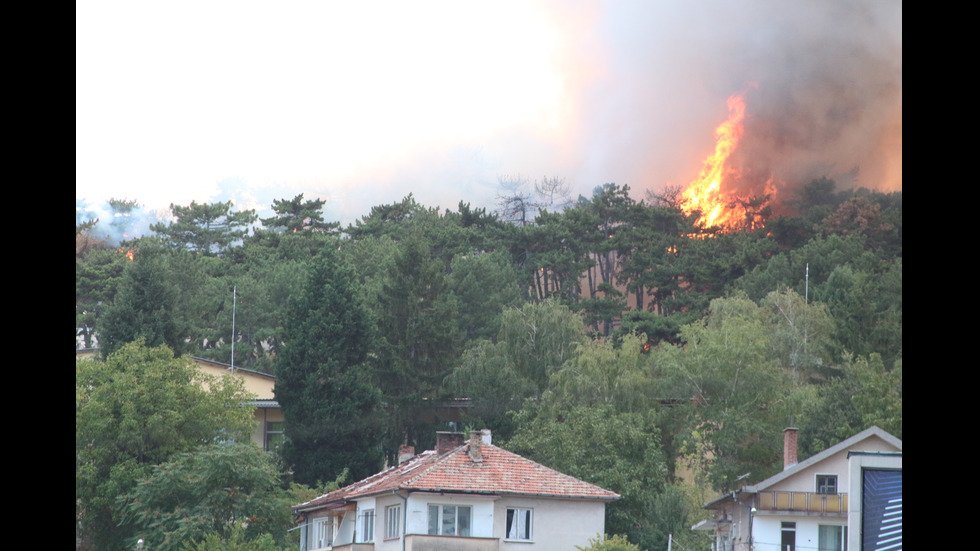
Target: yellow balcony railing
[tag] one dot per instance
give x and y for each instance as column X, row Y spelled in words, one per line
column 809, row 502
column 354, row 547
column 418, row 542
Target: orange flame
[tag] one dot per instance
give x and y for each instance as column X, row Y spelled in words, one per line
column 707, row 195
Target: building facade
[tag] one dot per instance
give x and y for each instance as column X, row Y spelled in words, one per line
column 810, row 504
column 469, row 496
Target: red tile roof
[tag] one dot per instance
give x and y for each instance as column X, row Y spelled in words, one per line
column 500, row 472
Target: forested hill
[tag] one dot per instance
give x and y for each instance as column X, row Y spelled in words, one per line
column 589, row 325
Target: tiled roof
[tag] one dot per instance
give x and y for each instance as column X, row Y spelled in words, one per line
column 499, row 473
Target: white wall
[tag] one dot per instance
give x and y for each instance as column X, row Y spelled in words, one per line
column 556, row 524
column 767, row 532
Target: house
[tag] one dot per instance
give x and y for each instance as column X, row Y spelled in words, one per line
column 827, row 502
column 269, row 422
column 470, row 496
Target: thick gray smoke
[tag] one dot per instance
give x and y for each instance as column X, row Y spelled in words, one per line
column 822, row 83
column 115, row 223
column 640, row 87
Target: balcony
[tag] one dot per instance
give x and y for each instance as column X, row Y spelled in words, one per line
column 806, row 502
column 419, row 542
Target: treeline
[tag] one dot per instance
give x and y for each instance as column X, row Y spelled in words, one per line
column 610, row 338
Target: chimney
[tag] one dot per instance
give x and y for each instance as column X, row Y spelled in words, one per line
column 405, row 452
column 448, row 441
column 487, row 436
column 789, row 447
column 476, row 446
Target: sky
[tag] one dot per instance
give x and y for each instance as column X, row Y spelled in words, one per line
column 362, row 103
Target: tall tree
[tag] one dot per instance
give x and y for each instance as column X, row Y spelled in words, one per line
column 866, row 393
column 138, row 409
column 735, row 399
column 146, row 306
column 323, row 380
column 487, row 284
column 98, row 272
column 418, row 327
column 598, row 421
column 495, row 389
column 539, row 337
column 207, row 228
column 214, row 489
column 294, row 215
column 519, row 199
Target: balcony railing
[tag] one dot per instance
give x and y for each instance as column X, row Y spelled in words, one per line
column 418, row 542
column 354, row 547
column 808, row 502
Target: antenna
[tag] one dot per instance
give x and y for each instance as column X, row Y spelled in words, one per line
column 234, row 306
column 806, row 286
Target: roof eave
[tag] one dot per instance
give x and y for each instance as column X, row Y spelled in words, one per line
column 816, row 458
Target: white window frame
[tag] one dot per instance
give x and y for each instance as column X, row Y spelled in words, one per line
column 440, row 517
column 841, row 537
column 274, row 434
column 323, row 532
column 393, row 521
column 516, row 517
column 367, row 526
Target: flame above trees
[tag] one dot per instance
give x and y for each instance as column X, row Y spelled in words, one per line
column 709, row 195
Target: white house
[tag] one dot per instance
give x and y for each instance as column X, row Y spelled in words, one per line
column 817, row 504
column 469, row 496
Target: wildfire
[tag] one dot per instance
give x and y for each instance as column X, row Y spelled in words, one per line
column 707, row 194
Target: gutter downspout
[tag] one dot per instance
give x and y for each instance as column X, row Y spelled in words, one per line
column 404, row 517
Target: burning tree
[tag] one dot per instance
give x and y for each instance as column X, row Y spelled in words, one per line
column 710, row 195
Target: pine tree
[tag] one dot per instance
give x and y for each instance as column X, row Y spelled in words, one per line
column 208, row 228
column 323, row 381
column 294, row 215
column 419, row 329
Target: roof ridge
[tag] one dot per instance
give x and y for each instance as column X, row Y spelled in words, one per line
column 830, row 451
column 556, row 471
column 439, row 460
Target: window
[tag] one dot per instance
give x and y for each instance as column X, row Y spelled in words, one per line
column 393, row 520
column 449, row 520
column 831, row 538
column 519, row 524
column 826, row 484
column 367, row 526
column 274, row 435
column 323, row 532
column 788, row 536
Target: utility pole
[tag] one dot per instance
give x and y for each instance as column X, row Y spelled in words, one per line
column 234, row 306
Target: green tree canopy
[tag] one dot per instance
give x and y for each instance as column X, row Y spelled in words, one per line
column 206, row 228
column 865, row 394
column 213, row 489
column 539, row 337
column 418, row 340
column 147, row 305
column 98, row 272
column 734, row 397
column 487, row 284
column 323, row 380
column 294, row 215
column 600, row 420
column 138, row 409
